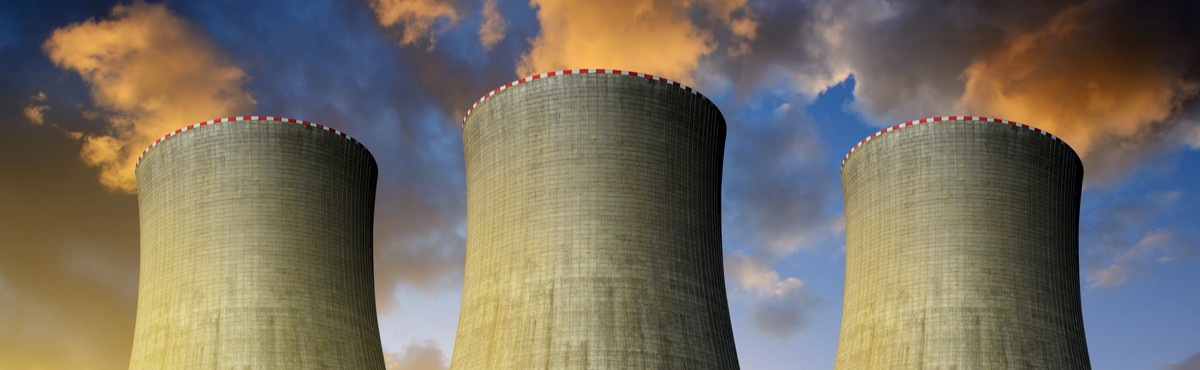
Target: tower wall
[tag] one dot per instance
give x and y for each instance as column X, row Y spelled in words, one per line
column 256, row 249
column 594, row 227
column 962, row 249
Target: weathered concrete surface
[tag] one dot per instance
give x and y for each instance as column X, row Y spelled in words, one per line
column 256, row 251
column 962, row 251
column 594, row 229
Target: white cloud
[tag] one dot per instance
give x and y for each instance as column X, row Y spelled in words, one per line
column 418, row 356
column 781, row 306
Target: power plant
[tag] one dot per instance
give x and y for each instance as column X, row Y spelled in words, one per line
column 962, row 248
column 256, row 249
column 594, row 226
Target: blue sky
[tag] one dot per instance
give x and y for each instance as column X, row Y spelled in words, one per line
column 798, row 82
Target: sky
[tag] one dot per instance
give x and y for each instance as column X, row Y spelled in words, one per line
column 88, row 84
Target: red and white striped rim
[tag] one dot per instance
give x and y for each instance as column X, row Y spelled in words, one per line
column 241, row 119
column 575, row 72
column 950, row 118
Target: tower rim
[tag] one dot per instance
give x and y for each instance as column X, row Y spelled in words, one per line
column 980, row 119
column 234, row 119
column 565, row 72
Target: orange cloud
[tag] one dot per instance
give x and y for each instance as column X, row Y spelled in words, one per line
column 34, row 111
column 1098, row 96
column 494, row 25
column 150, row 72
column 416, row 17
column 656, row 37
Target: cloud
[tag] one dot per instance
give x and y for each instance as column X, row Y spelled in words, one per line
column 150, row 72
column 781, row 306
column 494, row 25
column 1193, row 135
column 1120, row 243
column 417, row 18
column 33, row 112
column 656, row 37
column 1191, row 363
column 418, row 356
column 1155, row 246
column 792, row 44
column 777, row 201
column 779, row 192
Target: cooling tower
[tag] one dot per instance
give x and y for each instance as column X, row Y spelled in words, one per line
column 962, row 249
column 594, row 227
column 256, row 249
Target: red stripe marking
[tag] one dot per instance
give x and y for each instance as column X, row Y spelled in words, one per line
column 231, row 119
column 531, row 78
column 948, row 118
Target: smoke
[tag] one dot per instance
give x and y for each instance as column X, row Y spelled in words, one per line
column 1110, row 78
column 657, row 37
column 494, row 25
column 418, row 356
column 1116, row 79
column 150, row 72
column 417, row 18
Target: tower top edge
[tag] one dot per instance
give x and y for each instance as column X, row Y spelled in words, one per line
column 948, row 119
column 567, row 72
column 235, row 119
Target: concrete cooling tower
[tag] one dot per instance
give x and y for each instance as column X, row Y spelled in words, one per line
column 594, row 227
column 962, row 249
column 256, row 249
